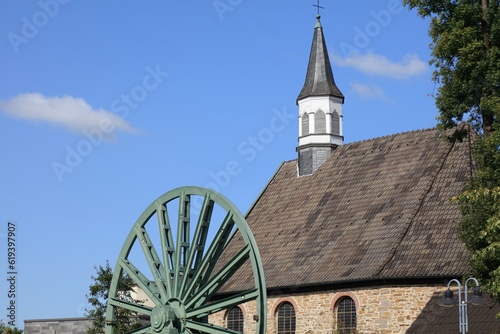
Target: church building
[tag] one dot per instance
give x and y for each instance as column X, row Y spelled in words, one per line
column 354, row 237
column 358, row 237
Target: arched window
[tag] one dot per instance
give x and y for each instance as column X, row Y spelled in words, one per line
column 286, row 319
column 319, row 122
column 335, row 123
column 234, row 319
column 305, row 124
column 345, row 310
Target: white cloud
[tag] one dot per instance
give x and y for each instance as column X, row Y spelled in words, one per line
column 370, row 92
column 375, row 64
column 71, row 113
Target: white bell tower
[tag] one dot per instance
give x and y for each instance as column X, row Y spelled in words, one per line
column 320, row 109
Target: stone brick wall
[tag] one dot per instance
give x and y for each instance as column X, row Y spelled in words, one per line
column 57, row 326
column 380, row 310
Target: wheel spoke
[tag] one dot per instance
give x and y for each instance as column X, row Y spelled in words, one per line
column 130, row 306
column 223, row 304
column 199, row 241
column 202, row 230
column 207, row 264
column 142, row 281
column 168, row 250
column 208, row 328
column 153, row 260
column 182, row 245
column 217, row 281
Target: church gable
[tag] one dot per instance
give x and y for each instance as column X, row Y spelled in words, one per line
column 359, row 215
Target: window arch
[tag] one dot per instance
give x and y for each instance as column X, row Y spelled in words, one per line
column 305, row 124
column 285, row 317
column 345, row 312
column 335, row 123
column 234, row 319
column 320, row 122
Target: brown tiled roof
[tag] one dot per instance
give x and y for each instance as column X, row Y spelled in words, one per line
column 376, row 209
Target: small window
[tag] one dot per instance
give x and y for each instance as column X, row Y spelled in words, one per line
column 234, row 319
column 335, row 123
column 319, row 122
column 286, row 319
column 346, row 315
column 305, row 124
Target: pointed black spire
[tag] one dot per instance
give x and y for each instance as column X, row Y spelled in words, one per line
column 319, row 77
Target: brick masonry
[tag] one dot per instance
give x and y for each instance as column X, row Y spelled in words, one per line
column 380, row 310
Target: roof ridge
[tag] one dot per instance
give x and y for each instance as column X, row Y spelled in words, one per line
column 363, row 141
column 394, row 134
column 289, row 161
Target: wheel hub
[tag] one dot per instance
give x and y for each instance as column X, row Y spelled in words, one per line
column 169, row 318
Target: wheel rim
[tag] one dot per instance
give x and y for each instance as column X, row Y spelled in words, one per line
column 182, row 274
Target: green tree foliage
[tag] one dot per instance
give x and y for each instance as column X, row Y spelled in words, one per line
column 125, row 320
column 480, row 206
column 9, row 330
column 466, row 56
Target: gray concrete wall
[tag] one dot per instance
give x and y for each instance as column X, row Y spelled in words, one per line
column 57, row 326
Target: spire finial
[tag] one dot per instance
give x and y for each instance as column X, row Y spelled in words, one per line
column 319, row 7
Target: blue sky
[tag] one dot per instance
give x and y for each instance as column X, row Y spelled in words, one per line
column 104, row 106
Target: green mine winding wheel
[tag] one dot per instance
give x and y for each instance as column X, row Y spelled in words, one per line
column 173, row 254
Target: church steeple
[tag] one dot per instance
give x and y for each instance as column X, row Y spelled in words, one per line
column 320, row 108
column 319, row 77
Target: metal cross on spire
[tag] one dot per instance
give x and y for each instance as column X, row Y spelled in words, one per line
column 319, row 7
